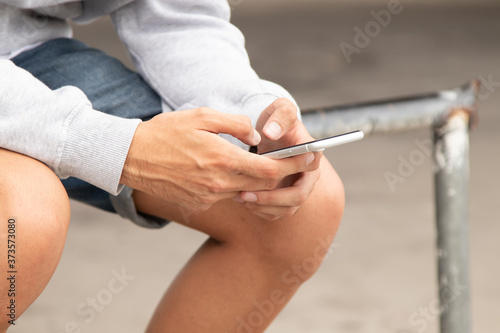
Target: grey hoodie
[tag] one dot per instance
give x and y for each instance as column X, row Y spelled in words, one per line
column 187, row 50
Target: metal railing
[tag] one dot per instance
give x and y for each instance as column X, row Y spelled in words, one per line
column 450, row 114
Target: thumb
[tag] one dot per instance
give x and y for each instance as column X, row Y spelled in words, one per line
column 282, row 118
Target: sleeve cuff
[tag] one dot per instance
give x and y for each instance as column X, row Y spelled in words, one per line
column 96, row 147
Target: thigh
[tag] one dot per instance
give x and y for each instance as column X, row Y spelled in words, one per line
column 231, row 221
column 34, row 218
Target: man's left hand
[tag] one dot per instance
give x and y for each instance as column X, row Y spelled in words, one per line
column 279, row 127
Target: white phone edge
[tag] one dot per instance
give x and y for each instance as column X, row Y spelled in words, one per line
column 316, row 146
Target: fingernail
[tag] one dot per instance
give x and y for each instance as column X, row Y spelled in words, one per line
column 310, row 159
column 256, row 138
column 250, row 197
column 273, row 130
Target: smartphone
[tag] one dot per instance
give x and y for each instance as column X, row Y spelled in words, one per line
column 314, row 146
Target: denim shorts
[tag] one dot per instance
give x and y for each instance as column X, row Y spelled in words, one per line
column 113, row 89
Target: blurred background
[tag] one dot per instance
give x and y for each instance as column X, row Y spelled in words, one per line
column 382, row 272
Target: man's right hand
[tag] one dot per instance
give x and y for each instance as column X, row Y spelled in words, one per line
column 179, row 157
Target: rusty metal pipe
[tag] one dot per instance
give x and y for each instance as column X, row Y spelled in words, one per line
column 450, row 113
column 392, row 115
column 451, row 179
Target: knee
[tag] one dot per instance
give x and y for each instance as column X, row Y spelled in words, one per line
column 33, row 195
column 299, row 245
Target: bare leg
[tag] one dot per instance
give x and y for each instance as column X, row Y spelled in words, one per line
column 243, row 276
column 33, row 197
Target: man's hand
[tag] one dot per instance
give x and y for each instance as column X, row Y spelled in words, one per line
column 179, row 157
column 281, row 128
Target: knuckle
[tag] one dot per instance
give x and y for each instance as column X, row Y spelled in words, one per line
column 314, row 166
column 214, row 187
column 216, row 161
column 229, row 165
column 203, row 112
column 287, row 106
column 302, row 198
column 244, row 120
column 244, row 124
column 271, row 173
column 290, row 211
column 269, row 217
column 217, row 186
column 226, row 166
column 282, row 101
column 263, row 198
column 271, row 184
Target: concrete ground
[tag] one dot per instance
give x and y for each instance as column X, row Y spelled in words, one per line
column 383, row 269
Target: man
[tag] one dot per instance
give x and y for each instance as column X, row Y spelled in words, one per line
column 73, row 113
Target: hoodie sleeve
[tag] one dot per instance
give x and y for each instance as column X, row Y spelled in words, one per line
column 61, row 129
column 191, row 54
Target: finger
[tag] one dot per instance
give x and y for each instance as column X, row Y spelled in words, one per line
column 301, row 163
column 282, row 117
column 272, row 212
column 295, row 195
column 238, row 126
column 228, row 195
column 261, row 167
column 283, row 197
